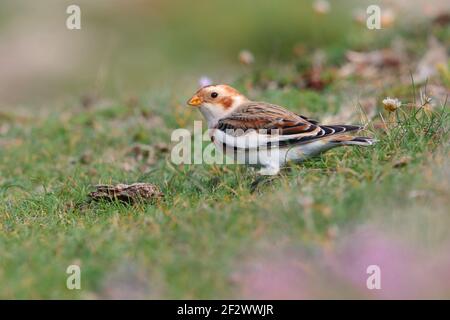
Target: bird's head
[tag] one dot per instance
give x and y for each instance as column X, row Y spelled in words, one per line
column 217, row 101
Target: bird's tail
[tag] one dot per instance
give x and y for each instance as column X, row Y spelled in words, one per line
column 357, row 141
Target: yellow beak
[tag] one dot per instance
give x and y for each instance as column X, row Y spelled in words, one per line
column 195, row 101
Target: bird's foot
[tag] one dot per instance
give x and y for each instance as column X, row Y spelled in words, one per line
column 260, row 181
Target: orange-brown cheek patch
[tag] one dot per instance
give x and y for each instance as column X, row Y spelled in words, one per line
column 226, row 102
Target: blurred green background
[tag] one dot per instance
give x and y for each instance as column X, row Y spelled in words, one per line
column 131, row 46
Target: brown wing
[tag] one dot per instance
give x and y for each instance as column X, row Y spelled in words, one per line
column 260, row 115
column 294, row 128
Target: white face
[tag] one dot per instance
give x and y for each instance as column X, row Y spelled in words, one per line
column 216, row 102
column 213, row 113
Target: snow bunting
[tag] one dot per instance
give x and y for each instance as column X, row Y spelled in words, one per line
column 266, row 134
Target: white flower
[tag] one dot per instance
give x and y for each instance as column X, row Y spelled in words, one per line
column 391, row 104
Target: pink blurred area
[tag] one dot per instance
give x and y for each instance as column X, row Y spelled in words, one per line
column 340, row 272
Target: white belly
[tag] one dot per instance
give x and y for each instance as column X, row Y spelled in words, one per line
column 278, row 156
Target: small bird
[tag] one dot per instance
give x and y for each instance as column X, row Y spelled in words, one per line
column 265, row 134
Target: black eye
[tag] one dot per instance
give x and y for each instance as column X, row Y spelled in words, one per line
column 214, row 95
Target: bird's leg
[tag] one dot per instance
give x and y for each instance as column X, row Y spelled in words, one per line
column 260, row 181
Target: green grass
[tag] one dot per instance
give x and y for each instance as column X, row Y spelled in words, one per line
column 212, row 217
column 188, row 245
